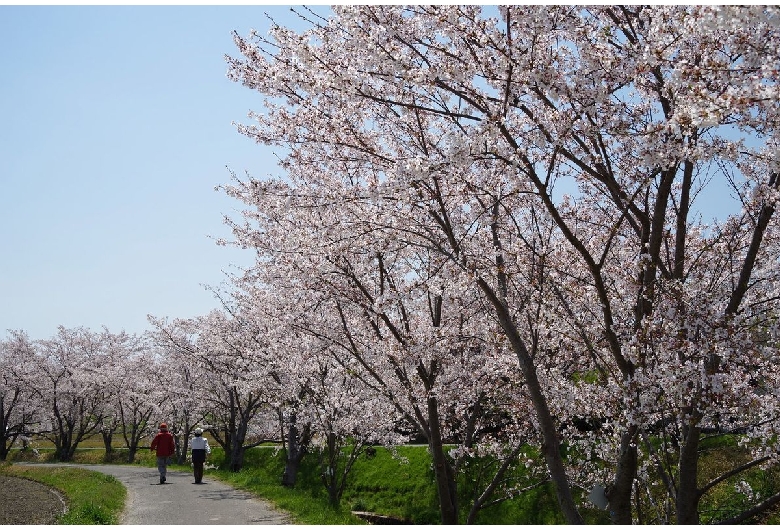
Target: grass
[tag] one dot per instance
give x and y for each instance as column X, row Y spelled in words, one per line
column 399, row 488
column 307, row 502
column 725, row 500
column 87, row 454
column 93, row 498
column 397, row 484
column 401, row 485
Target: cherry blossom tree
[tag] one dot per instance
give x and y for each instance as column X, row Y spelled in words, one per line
column 116, row 350
column 72, row 387
column 384, row 311
column 141, row 390
column 286, row 375
column 340, row 416
column 461, row 130
column 235, row 381
column 175, row 392
column 282, row 369
column 17, row 404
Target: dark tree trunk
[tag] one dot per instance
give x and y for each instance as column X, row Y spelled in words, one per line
column 329, row 474
column 8, row 433
column 182, row 441
column 108, row 436
column 132, row 444
column 336, row 462
column 237, row 455
column 294, row 457
column 297, row 446
column 687, row 492
column 549, row 432
column 619, row 495
column 62, row 442
column 445, row 481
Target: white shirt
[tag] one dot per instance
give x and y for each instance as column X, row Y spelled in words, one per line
column 200, row 442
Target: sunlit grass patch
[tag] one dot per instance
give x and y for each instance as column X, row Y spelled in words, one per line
column 92, row 497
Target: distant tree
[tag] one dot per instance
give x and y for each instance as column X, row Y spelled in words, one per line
column 235, row 382
column 140, row 393
column 72, row 387
column 18, row 406
column 117, row 349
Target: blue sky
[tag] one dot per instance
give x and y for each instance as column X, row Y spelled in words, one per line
column 116, row 127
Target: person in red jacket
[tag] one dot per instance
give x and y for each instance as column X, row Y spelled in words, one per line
column 165, row 447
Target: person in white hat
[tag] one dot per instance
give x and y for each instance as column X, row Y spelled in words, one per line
column 200, row 448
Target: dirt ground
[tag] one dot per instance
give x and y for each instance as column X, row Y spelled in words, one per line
column 25, row 501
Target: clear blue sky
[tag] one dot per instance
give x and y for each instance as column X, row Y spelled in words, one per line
column 115, row 129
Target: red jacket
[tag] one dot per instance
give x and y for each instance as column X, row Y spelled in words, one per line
column 164, row 444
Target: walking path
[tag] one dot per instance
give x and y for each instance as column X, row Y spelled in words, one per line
column 180, row 501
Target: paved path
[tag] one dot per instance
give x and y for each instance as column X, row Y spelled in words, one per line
column 180, row 501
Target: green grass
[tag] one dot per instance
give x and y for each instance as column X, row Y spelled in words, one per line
column 307, row 502
column 89, row 455
column 401, row 485
column 724, row 501
column 402, row 489
column 93, row 498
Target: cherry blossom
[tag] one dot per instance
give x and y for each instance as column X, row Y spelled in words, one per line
column 544, row 163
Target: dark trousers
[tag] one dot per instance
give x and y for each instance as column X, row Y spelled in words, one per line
column 198, row 457
column 198, row 468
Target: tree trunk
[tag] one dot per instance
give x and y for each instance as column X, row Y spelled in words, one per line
column 290, row 471
column 619, row 495
column 7, row 433
column 551, row 444
column 687, row 502
column 62, row 443
column 329, row 474
column 132, row 442
column 294, row 456
column 179, row 455
column 445, row 481
column 108, row 436
column 237, row 456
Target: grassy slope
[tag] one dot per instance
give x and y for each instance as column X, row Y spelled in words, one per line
column 399, row 486
column 403, row 487
column 93, row 498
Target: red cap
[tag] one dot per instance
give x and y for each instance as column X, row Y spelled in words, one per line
column 163, row 427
